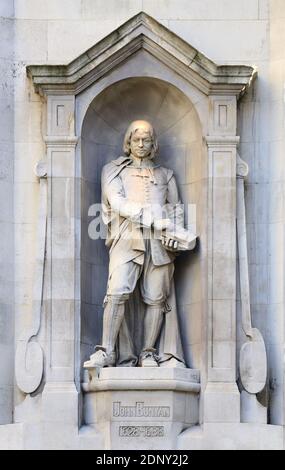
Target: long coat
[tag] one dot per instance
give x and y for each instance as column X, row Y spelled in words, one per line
column 126, row 209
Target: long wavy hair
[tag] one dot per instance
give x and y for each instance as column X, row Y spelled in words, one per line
column 133, row 127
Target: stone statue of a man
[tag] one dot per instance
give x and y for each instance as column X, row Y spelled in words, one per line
column 140, row 199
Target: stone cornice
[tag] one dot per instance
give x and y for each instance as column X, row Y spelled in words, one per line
column 61, row 141
column 223, row 140
column 175, row 379
column 141, row 32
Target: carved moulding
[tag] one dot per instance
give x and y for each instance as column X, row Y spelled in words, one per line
column 252, row 360
column 142, row 32
column 29, row 362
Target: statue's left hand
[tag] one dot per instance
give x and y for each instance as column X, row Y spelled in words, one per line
column 169, row 243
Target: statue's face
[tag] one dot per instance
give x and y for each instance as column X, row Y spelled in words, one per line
column 141, row 143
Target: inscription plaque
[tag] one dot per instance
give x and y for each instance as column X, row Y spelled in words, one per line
column 139, row 410
column 141, row 431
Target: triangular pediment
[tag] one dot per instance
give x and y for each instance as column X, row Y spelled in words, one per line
column 141, row 32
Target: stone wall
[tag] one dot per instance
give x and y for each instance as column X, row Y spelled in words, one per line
column 7, row 251
column 276, row 212
column 261, row 128
column 227, row 31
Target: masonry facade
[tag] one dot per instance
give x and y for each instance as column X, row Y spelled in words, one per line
column 46, row 141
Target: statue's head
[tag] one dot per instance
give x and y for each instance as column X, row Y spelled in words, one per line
column 140, row 140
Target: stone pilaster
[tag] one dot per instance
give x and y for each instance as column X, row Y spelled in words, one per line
column 60, row 397
column 222, row 401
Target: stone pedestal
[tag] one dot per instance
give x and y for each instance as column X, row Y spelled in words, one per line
column 141, row 408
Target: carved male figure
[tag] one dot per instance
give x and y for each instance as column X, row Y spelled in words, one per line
column 136, row 195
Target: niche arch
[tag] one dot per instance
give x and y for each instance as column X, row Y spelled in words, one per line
column 180, row 138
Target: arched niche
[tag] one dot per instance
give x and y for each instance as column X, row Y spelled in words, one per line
column 181, row 148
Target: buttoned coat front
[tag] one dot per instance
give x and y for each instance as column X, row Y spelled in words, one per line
column 131, row 197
